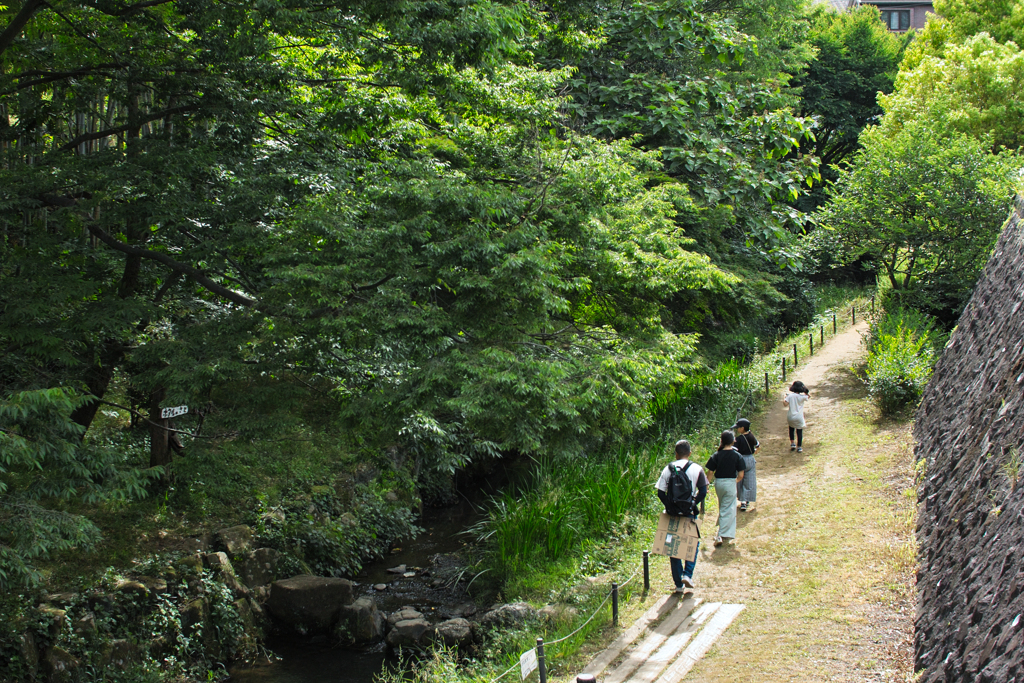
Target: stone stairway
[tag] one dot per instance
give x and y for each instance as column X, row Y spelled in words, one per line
column 664, row 644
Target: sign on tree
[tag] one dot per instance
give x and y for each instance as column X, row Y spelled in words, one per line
column 168, row 413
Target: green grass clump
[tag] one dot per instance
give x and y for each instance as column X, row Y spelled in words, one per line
column 902, row 347
column 566, row 503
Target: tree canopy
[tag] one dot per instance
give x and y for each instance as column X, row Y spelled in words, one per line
column 451, row 226
column 857, row 58
column 926, row 208
column 973, row 87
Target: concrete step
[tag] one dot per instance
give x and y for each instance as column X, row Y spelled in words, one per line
column 674, row 644
column 656, row 613
column 701, row 644
column 655, row 639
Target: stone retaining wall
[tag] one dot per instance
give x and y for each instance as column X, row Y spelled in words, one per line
column 971, row 518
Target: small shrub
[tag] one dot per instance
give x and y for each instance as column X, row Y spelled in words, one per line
column 898, row 368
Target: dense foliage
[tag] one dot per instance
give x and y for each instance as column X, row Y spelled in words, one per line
column 901, row 352
column 857, row 59
column 450, row 228
column 927, row 210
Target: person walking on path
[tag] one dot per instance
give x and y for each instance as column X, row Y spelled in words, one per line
column 747, row 445
column 682, row 573
column 727, row 465
column 794, row 402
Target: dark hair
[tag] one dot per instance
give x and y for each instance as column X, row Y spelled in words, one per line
column 799, row 387
column 682, row 447
column 728, row 438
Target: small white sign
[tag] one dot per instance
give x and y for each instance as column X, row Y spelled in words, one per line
column 528, row 662
column 168, row 413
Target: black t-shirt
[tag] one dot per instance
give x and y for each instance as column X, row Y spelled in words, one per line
column 746, row 443
column 725, row 464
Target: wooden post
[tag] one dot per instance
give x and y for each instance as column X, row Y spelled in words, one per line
column 615, row 604
column 811, row 338
column 822, row 335
column 796, row 360
column 542, row 668
column 766, row 385
column 647, row 570
column 853, row 315
column 833, row 322
column 783, row 368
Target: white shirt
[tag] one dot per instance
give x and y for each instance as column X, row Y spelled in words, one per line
column 693, row 472
column 795, row 415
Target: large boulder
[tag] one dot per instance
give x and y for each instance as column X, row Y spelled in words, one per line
column 402, row 615
column 59, row 666
column 220, row 565
column 413, row 633
column 558, row 613
column 195, row 617
column 359, row 622
column 119, row 654
column 258, row 567
column 456, row 632
column 512, row 615
column 29, row 654
column 235, row 539
column 309, row 604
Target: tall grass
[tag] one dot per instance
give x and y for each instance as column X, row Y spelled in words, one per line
column 566, row 502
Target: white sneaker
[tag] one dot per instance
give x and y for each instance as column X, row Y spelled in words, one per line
column 687, row 581
column 680, row 589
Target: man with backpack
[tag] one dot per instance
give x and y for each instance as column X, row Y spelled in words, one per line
column 681, row 489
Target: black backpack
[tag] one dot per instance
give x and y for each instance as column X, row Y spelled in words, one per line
column 679, row 498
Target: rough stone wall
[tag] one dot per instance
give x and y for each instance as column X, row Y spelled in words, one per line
column 970, row 581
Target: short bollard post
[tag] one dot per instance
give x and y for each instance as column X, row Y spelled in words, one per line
column 766, row 385
column 783, row 368
column 796, row 361
column 647, row 570
column 811, row 337
column 833, row 322
column 615, row 604
column 822, row 335
column 872, row 305
column 853, row 314
column 586, row 678
column 542, row 668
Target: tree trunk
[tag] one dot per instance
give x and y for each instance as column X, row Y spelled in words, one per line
column 159, row 441
column 97, row 379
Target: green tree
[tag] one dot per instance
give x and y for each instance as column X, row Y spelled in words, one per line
column 956, row 20
column 926, row 208
column 42, row 460
column 670, row 77
column 857, row 58
column 974, row 87
column 280, row 192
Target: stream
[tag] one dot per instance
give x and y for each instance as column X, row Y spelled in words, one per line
column 429, row 584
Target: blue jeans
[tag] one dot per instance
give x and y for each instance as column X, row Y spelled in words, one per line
column 679, row 570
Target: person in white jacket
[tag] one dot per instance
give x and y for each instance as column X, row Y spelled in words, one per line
column 794, row 402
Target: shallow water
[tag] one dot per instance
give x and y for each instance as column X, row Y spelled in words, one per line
column 433, row 591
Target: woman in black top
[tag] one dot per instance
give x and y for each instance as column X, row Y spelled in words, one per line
column 747, row 444
column 727, row 467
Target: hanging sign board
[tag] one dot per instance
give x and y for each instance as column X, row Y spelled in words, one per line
column 528, row 662
column 168, row 413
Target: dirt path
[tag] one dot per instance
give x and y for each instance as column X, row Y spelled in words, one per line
column 825, row 562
